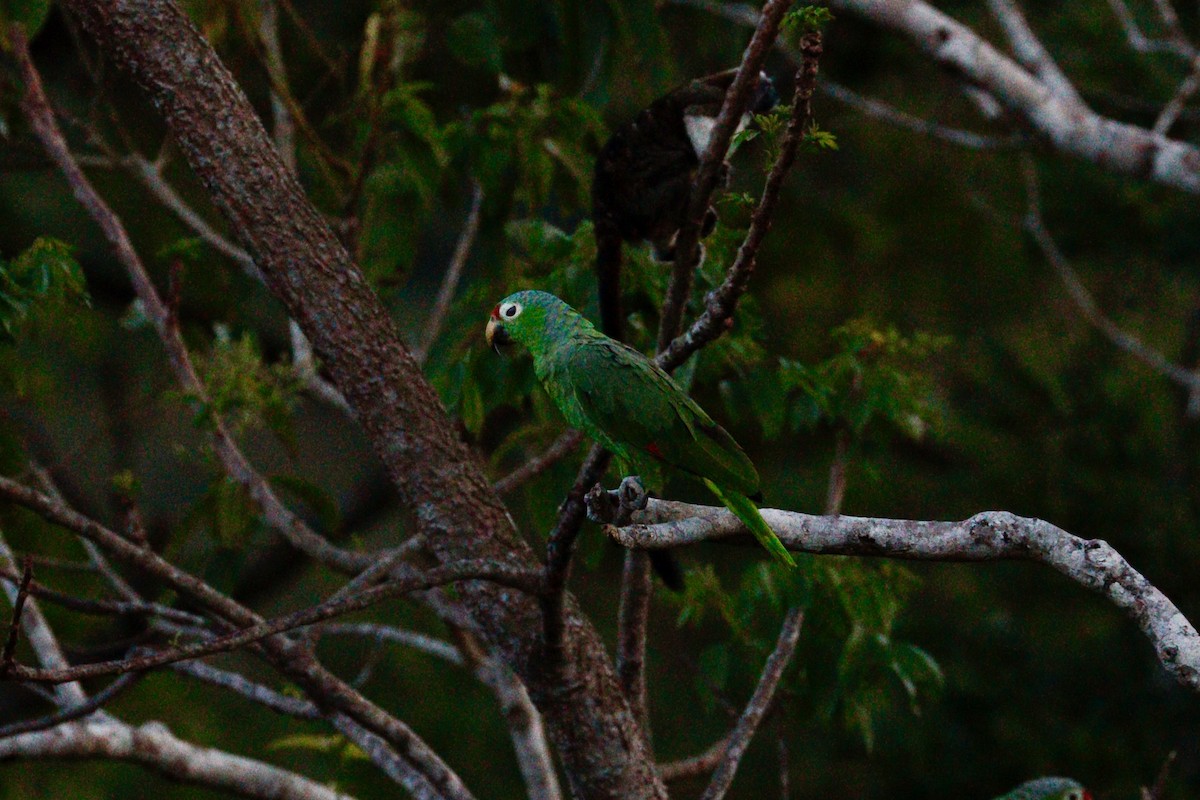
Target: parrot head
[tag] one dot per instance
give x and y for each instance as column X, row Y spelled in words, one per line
column 522, row 317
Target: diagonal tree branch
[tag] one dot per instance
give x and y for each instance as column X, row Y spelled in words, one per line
column 756, row 709
column 1083, row 299
column 454, row 272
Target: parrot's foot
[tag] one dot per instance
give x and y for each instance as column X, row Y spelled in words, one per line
column 616, row 507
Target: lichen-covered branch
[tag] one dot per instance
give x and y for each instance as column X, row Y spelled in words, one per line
column 988, row 536
column 1065, row 124
column 152, row 745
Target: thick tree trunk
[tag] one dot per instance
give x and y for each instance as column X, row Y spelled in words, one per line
column 304, row 265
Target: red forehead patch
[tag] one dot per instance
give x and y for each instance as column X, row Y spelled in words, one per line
column 496, row 312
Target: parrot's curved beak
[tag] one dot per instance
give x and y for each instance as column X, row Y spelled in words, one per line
column 496, row 335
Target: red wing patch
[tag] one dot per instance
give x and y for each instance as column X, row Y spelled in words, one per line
column 653, row 450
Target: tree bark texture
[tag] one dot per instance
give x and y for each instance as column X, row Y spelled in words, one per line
column 306, row 267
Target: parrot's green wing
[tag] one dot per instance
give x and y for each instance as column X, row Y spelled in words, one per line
column 637, row 405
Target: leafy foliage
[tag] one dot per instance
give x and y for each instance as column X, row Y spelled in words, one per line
column 41, row 280
column 244, row 391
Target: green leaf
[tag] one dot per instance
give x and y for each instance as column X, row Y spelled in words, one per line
column 43, row 278
column 312, row 742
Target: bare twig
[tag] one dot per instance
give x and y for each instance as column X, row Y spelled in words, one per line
column 239, row 684
column 8, row 657
column 878, row 109
column 102, row 607
column 72, row 713
column 1157, row 791
column 389, row 633
column 1030, row 51
column 454, row 272
column 1138, row 40
column 1174, row 107
column 756, row 709
column 694, row 765
column 524, row 722
column 28, row 616
column 737, row 98
column 516, row 578
column 721, row 302
column 559, row 449
column 1035, row 225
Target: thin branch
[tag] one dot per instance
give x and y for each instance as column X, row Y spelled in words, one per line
column 1138, row 40
column 737, row 98
column 72, row 713
column 8, row 656
column 28, row 615
column 393, row 635
column 632, row 622
column 388, row 760
column 560, row 546
column 559, row 449
column 756, row 709
column 1083, row 299
column 239, row 684
column 284, row 126
column 515, row 578
column 1174, row 108
column 153, row 745
column 524, row 722
column 454, row 272
column 86, row 605
column 988, row 536
column 293, row 661
column 41, row 119
column 878, row 109
column 694, row 765
column 721, row 302
column 1030, row 51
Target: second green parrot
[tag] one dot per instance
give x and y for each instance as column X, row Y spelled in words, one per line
column 630, row 406
column 1048, row 789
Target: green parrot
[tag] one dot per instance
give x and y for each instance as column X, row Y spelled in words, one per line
column 1048, row 789
column 620, row 398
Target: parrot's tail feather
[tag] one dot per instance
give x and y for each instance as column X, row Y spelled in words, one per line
column 745, row 510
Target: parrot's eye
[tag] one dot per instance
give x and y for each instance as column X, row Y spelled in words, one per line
column 510, row 310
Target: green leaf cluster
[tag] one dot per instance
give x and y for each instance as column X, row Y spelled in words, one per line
column 41, row 280
column 243, row 390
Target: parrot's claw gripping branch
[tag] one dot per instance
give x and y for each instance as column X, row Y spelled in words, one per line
column 616, row 506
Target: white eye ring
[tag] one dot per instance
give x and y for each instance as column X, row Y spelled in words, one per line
column 510, row 310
